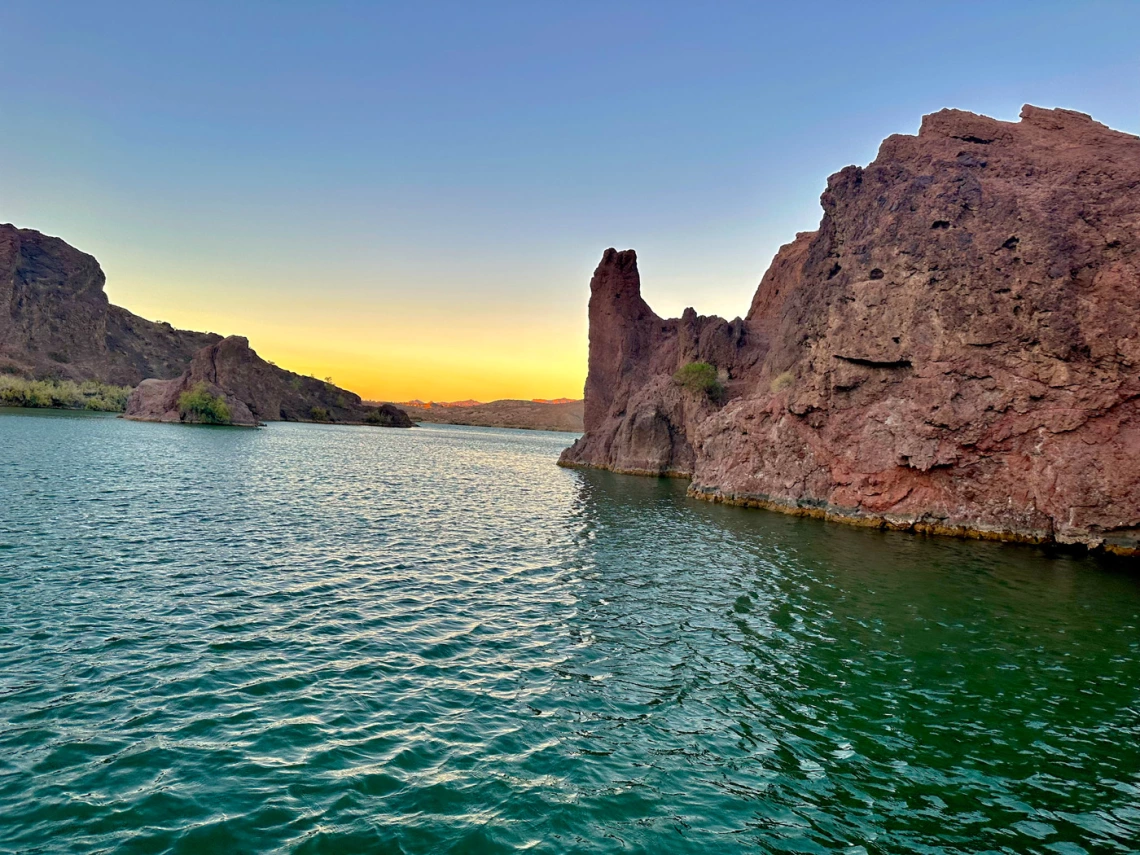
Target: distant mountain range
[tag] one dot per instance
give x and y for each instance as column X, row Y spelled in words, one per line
column 562, row 414
column 471, row 402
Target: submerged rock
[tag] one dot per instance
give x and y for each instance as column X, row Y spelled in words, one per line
column 955, row 350
column 254, row 391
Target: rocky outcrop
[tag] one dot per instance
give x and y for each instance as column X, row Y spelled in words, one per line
column 56, row 321
column 955, row 350
column 255, row 391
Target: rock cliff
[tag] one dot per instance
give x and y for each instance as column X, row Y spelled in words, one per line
column 255, row 391
column 955, row 350
column 56, row 321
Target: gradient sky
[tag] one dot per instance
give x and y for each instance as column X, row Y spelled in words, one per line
column 411, row 197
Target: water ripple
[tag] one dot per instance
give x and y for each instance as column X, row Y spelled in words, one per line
column 316, row 639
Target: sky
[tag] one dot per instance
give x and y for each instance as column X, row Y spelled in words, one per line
column 411, row 197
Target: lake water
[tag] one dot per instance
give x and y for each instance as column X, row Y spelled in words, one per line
column 327, row 639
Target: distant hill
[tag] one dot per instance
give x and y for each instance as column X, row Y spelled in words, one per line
column 427, row 405
column 57, row 323
column 562, row 415
column 254, row 391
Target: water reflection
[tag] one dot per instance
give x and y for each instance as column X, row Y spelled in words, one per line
column 809, row 684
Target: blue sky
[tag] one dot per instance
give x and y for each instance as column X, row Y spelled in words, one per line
column 412, row 197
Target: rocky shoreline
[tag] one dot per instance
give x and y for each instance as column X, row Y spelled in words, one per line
column 59, row 327
column 954, row 351
column 229, row 374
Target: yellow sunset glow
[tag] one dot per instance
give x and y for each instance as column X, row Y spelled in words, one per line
column 386, row 350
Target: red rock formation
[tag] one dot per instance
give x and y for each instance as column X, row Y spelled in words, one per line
column 256, row 392
column 955, row 350
column 56, row 321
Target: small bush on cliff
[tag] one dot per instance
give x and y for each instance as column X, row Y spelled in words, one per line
column 784, row 381
column 319, row 414
column 200, row 406
column 700, row 378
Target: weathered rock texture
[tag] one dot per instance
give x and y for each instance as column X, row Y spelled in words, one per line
column 56, row 321
column 256, row 391
column 955, row 350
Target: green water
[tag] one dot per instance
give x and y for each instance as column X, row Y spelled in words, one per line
column 322, row 639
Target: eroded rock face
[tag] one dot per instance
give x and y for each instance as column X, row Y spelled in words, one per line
column 56, row 321
column 256, row 391
column 956, row 348
column 637, row 420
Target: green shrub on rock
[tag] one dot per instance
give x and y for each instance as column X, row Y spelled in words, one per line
column 198, row 405
column 700, row 378
column 784, row 381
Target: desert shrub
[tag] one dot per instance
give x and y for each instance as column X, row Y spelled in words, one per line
column 100, row 396
column 383, row 417
column 320, row 414
column 701, row 379
column 63, row 394
column 784, row 381
column 200, row 406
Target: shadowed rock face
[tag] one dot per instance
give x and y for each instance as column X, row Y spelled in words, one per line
column 256, row 392
column 955, row 350
column 56, row 321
